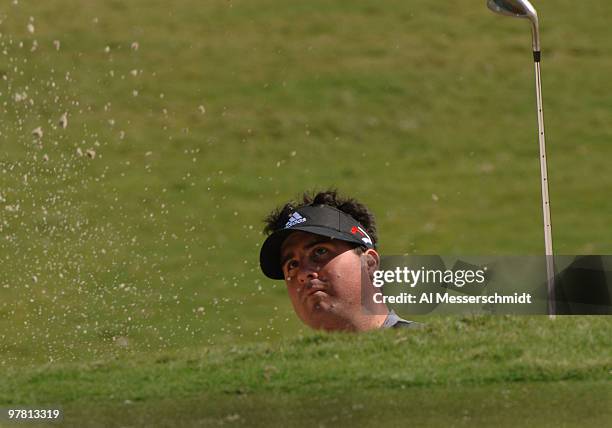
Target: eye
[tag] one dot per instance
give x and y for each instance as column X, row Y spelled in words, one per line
column 320, row 251
column 292, row 264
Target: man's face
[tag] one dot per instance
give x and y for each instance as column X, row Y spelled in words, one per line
column 323, row 278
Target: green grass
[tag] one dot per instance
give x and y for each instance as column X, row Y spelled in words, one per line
column 514, row 404
column 152, row 246
column 477, row 369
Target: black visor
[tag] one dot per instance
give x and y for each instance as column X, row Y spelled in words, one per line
column 321, row 220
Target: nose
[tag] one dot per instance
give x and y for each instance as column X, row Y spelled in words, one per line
column 307, row 271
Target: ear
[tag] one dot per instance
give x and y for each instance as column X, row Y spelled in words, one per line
column 372, row 261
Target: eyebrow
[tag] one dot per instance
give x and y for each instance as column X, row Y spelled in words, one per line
column 306, row 247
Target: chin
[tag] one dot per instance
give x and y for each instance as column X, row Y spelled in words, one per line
column 337, row 326
column 327, row 319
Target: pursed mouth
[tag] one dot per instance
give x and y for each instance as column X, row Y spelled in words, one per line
column 314, row 289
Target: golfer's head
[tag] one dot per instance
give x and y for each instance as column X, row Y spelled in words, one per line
column 324, row 255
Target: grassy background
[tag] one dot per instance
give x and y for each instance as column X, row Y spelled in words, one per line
column 205, row 115
column 460, row 371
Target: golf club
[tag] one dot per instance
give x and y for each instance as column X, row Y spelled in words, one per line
column 524, row 9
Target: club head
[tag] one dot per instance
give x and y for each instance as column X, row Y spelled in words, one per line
column 518, row 9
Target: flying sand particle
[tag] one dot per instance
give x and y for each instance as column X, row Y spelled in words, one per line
column 63, row 122
column 38, row 132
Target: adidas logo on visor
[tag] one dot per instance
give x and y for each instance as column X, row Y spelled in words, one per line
column 295, row 218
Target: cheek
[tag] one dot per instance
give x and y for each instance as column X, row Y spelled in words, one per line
column 344, row 273
column 298, row 305
column 293, row 289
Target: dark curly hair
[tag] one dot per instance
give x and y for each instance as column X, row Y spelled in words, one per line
column 276, row 219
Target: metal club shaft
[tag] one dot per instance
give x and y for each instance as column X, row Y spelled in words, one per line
column 548, row 242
